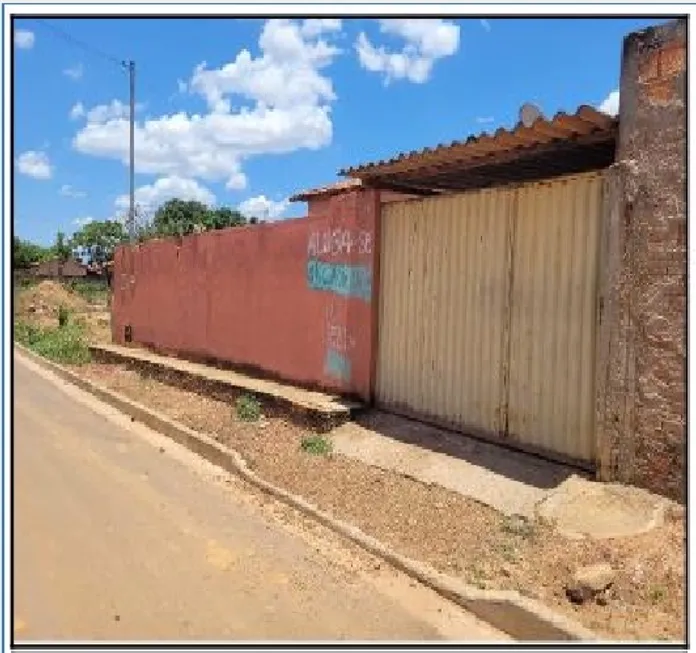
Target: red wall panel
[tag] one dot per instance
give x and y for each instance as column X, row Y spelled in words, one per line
column 295, row 298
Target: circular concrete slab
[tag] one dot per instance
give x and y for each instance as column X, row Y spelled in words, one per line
column 581, row 508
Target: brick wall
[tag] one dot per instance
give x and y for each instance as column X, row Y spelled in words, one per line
column 642, row 340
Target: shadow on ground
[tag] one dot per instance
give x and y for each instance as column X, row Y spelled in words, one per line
column 514, row 465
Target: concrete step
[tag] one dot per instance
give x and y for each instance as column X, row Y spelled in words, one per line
column 324, row 405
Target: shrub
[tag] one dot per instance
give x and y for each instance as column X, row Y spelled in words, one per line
column 317, row 445
column 63, row 316
column 248, row 408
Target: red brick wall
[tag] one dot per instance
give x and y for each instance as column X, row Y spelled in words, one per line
column 642, row 423
column 294, row 298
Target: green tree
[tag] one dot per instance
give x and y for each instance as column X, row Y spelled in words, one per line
column 62, row 248
column 224, row 217
column 181, row 217
column 97, row 240
column 26, row 253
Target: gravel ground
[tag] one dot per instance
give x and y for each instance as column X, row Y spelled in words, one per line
column 452, row 533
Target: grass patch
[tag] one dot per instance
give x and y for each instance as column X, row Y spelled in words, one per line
column 508, row 551
column 23, row 283
column 64, row 344
column 316, row 445
column 95, row 292
column 657, row 594
column 248, row 408
column 519, row 526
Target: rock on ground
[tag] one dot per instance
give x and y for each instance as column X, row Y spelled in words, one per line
column 588, row 582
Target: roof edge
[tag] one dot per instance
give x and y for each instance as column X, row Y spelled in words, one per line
column 562, row 127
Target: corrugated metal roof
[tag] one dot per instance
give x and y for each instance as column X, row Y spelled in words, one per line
column 325, row 191
column 565, row 144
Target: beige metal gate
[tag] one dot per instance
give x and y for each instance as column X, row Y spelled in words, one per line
column 487, row 312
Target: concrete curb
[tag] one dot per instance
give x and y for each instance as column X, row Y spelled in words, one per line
column 520, row 617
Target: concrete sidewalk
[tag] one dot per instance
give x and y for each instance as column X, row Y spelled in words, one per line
column 511, row 482
column 317, row 402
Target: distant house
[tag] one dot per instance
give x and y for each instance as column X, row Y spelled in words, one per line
column 56, row 269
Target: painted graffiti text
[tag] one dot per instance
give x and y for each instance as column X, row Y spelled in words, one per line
column 336, row 365
column 338, row 337
column 339, row 242
column 340, row 278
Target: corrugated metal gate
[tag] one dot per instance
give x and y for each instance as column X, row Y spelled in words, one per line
column 488, row 311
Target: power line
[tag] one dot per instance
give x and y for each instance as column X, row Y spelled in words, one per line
column 121, row 63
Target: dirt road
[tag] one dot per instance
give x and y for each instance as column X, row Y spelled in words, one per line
column 120, row 534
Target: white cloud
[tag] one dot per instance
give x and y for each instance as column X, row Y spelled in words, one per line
column 181, row 86
column 151, row 196
column 312, row 27
column 77, row 111
column 81, row 222
column 75, row 73
column 485, row 24
column 426, row 41
column 610, row 105
column 237, row 181
column 66, row 190
column 485, row 120
column 116, row 110
column 24, row 39
column 35, row 164
column 262, row 207
column 290, row 109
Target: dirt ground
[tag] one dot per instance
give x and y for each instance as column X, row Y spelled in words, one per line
column 454, row 534
column 38, row 304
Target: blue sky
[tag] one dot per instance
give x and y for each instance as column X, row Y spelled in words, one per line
column 245, row 112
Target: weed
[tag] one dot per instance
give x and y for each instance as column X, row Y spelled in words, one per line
column 95, row 292
column 518, row 525
column 65, row 344
column 508, row 551
column 317, row 445
column 657, row 594
column 248, row 408
column 478, row 577
column 23, row 283
column 63, row 316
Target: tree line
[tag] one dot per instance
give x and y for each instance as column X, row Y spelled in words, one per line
column 96, row 241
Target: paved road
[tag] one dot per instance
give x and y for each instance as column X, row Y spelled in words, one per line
column 120, row 534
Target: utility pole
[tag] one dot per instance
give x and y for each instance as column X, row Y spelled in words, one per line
column 131, row 204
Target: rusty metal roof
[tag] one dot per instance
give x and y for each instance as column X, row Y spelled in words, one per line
column 565, row 144
column 324, row 191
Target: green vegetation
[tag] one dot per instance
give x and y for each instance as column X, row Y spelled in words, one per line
column 519, row 526
column 248, row 408
column 97, row 240
column 63, row 344
column 181, row 217
column 25, row 253
column 63, row 316
column 95, row 292
column 657, row 594
column 62, row 248
column 316, row 445
column 508, row 551
column 24, row 283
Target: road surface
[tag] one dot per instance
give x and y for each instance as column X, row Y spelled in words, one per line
column 120, row 534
